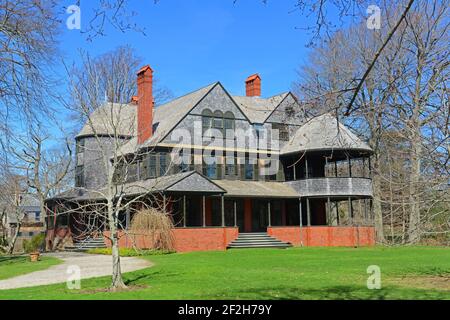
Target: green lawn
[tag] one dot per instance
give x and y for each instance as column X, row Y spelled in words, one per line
column 11, row 266
column 296, row 273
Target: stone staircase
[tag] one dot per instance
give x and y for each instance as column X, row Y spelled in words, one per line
column 257, row 240
column 86, row 244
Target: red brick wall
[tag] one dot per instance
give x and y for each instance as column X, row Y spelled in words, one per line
column 325, row 236
column 186, row 239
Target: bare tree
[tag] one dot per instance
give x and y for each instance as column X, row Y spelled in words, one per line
column 12, row 188
column 111, row 123
column 402, row 109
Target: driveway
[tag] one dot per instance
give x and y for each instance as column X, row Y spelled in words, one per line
column 91, row 265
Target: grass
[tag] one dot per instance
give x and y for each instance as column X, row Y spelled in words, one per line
column 296, row 273
column 11, row 266
column 128, row 252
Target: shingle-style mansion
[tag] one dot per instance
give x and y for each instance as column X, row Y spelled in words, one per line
column 318, row 193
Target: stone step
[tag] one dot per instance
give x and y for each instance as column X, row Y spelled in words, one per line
column 257, row 240
column 279, row 246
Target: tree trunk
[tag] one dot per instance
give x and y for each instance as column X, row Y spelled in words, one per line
column 117, row 281
column 414, row 217
column 13, row 240
column 378, row 214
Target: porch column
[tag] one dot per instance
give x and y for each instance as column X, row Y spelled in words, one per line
column 268, row 213
column 336, row 206
column 328, row 211
column 300, row 211
column 349, row 166
column 308, row 212
column 364, row 166
column 184, row 211
column 306, row 167
column 335, row 168
column 164, row 202
column 222, row 198
column 235, row 212
column 301, row 220
column 293, row 168
column 350, row 209
column 365, row 210
column 204, row 211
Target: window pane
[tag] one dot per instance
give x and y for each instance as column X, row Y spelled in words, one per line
column 249, row 170
column 162, row 164
column 152, row 166
column 218, row 123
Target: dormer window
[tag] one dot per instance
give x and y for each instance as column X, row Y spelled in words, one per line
column 283, row 131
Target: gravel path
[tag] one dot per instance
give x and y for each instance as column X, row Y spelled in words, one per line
column 91, row 265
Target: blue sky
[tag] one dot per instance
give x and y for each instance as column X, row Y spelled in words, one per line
column 192, row 43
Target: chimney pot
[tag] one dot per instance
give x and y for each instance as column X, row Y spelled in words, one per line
column 253, row 86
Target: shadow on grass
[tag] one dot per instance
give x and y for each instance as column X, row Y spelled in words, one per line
column 136, row 279
column 331, row 293
column 12, row 259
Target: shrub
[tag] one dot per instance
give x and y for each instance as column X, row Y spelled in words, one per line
column 156, row 226
column 35, row 244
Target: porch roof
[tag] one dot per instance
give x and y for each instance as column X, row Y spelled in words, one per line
column 191, row 181
column 265, row 189
column 187, row 182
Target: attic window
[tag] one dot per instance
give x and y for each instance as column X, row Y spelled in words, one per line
column 283, row 131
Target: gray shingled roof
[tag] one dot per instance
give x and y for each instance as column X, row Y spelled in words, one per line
column 191, row 181
column 323, row 132
column 166, row 117
column 264, row 189
column 111, row 119
column 258, row 109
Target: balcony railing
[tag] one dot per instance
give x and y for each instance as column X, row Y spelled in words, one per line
column 334, row 186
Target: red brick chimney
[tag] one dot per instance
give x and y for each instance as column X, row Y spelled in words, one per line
column 253, row 86
column 145, row 103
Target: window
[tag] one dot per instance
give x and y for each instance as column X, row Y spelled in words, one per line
column 228, row 122
column 119, row 173
column 132, row 173
column 210, row 170
column 37, row 215
column 218, row 120
column 283, row 131
column 186, row 162
column 230, row 166
column 207, row 117
column 79, row 147
column 249, row 170
column 162, row 164
column 79, row 176
column 152, row 166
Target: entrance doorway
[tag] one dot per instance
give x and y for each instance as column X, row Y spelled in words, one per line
column 259, row 216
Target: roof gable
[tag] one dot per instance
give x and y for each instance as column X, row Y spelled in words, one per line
column 288, row 111
column 195, row 182
column 257, row 109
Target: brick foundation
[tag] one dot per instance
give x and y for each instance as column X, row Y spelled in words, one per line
column 325, row 236
column 186, row 239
